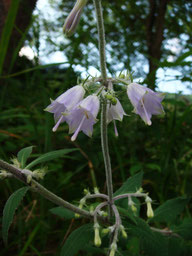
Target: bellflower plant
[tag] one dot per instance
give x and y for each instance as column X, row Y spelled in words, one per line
column 145, row 101
column 80, row 113
column 64, row 103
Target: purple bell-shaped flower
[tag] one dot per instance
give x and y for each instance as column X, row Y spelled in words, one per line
column 145, row 101
column 64, row 103
column 83, row 116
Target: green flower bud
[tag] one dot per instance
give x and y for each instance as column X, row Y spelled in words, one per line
column 150, row 213
column 132, row 205
column 86, row 191
column 105, row 231
column 15, row 162
column 97, row 239
column 96, row 190
column 113, row 249
column 123, row 232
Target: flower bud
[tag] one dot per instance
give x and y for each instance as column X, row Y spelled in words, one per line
column 105, row 231
column 73, row 18
column 86, row 191
column 97, row 240
column 123, row 232
column 39, row 173
column 5, row 174
column 96, row 190
column 140, row 190
column 132, row 205
column 150, row 213
column 113, row 249
column 15, row 162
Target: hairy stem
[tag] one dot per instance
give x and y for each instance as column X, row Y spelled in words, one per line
column 35, row 186
column 104, row 135
column 101, row 34
column 105, row 150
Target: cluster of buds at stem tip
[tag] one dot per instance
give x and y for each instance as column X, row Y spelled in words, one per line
column 73, row 18
column 37, row 174
column 4, row 174
column 150, row 213
column 97, row 239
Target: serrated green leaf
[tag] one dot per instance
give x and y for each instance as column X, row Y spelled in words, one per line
column 131, row 184
column 50, row 156
column 78, row 240
column 168, row 211
column 9, row 210
column 184, row 229
column 23, row 155
column 62, row 212
column 152, row 243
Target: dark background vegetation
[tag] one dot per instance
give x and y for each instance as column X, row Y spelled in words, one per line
column 137, row 33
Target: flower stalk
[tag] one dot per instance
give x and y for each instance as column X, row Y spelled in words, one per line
column 104, row 135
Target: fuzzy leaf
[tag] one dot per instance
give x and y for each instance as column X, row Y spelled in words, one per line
column 9, row 210
column 131, row 184
column 151, row 243
column 23, row 155
column 50, row 156
column 78, row 240
column 62, row 212
column 168, row 211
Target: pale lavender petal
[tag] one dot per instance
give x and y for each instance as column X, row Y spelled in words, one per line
column 64, row 103
column 71, row 97
column 83, row 116
column 145, row 101
column 90, row 104
column 115, row 112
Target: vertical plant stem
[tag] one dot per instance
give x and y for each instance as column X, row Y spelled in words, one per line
column 105, row 150
column 101, row 34
column 104, row 135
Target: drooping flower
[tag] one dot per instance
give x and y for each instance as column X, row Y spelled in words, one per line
column 73, row 18
column 83, row 116
column 64, row 103
column 145, row 101
column 115, row 112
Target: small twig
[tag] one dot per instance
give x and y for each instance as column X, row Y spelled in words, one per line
column 165, row 232
column 30, row 213
column 129, row 195
column 89, row 196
